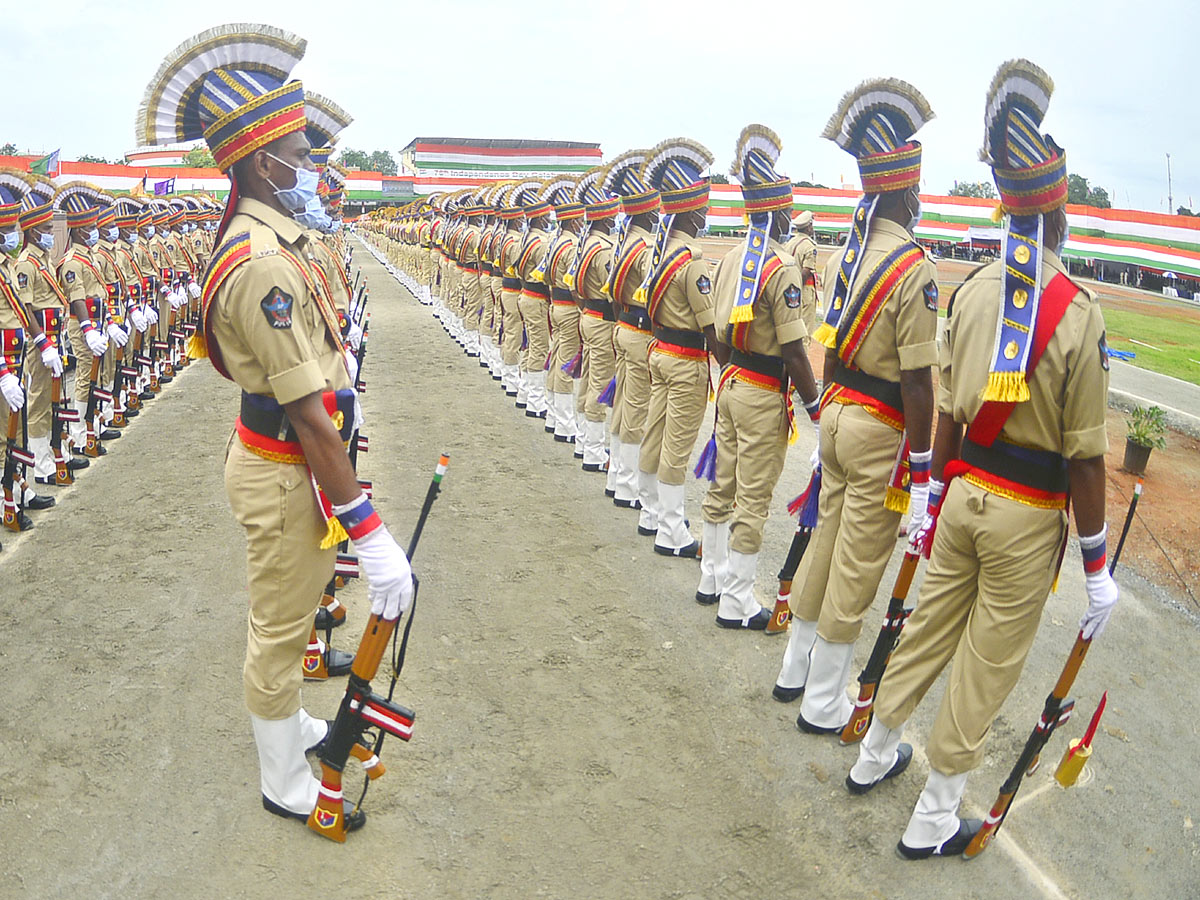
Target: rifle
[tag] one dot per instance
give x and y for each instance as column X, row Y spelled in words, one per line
column 133, row 400
column 119, row 420
column 804, row 507
column 1056, row 711
column 361, row 708
column 58, row 418
column 92, row 448
column 881, row 653
column 13, row 456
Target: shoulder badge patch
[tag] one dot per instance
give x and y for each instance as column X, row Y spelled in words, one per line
column 931, row 296
column 277, row 307
column 703, row 285
column 69, row 276
column 791, row 296
column 22, row 280
column 1104, row 351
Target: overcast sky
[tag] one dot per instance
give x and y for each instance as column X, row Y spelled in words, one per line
column 629, row 74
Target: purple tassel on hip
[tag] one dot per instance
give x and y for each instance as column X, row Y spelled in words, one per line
column 707, row 466
column 575, row 367
column 606, row 395
column 524, row 339
column 805, row 506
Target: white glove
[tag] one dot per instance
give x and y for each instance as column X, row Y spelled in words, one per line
column 138, row 318
column 176, row 299
column 919, row 533
column 354, row 334
column 389, row 577
column 194, row 290
column 352, row 365
column 96, row 341
column 10, row 386
column 918, row 502
column 1101, row 589
column 117, row 334
column 359, row 418
column 52, row 361
column 151, row 315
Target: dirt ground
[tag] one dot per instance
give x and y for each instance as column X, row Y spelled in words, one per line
column 583, row 729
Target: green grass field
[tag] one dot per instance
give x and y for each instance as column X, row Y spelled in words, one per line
column 1177, row 343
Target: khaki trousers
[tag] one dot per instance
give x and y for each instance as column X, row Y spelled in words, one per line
column 678, row 396
column 83, row 359
column 286, row 573
column 473, row 307
column 752, row 434
column 536, row 317
column 510, row 347
column 497, row 311
column 632, row 397
column 37, row 403
column 565, row 343
column 855, row 533
column 992, row 565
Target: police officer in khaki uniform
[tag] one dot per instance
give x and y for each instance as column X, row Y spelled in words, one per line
column 40, row 292
column 268, row 327
column 113, row 413
column 677, row 291
column 759, row 316
column 513, row 217
column 803, row 248
column 88, row 328
column 880, row 333
column 1034, row 434
column 631, row 390
column 587, row 275
column 535, row 297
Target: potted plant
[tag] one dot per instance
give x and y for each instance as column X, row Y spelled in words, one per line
column 1146, row 430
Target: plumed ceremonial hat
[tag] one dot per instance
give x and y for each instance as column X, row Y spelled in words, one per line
column 14, row 185
column 80, row 201
column 875, row 123
column 675, row 168
column 624, row 178
column 754, row 158
column 37, row 206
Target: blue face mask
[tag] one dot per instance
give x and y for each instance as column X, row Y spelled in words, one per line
column 314, row 216
column 111, row 234
column 46, row 241
column 11, row 240
column 298, row 197
column 149, row 232
column 91, row 238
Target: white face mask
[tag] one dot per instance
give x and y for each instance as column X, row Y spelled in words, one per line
column 911, row 227
column 91, row 238
column 133, row 238
column 149, row 232
column 11, row 241
column 111, row 234
column 296, row 198
column 45, row 240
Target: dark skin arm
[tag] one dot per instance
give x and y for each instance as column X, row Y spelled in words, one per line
column 795, row 360
column 323, row 448
column 1087, row 477
column 916, row 392
column 830, row 366
column 947, row 444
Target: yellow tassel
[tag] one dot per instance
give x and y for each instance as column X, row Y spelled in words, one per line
column 197, row 346
column 510, row 271
column 605, row 290
column 793, row 433
column 569, row 280
column 896, row 500
column 741, row 313
column 334, row 534
column 826, row 335
column 998, row 213
column 1006, row 387
column 537, row 276
column 639, row 296
column 1054, row 587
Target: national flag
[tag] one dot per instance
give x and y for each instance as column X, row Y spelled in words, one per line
column 47, row 165
column 162, row 188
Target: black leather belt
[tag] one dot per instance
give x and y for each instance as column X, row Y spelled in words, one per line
column 561, row 295
column 534, row 287
column 263, row 415
column 882, row 390
column 637, row 317
column 510, row 284
column 693, row 340
column 1041, row 470
column 603, row 307
column 771, row 366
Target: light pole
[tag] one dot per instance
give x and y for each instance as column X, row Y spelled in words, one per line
column 1170, row 199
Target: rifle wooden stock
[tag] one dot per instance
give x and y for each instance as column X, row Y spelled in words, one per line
column 881, row 653
column 92, row 447
column 12, row 521
column 62, row 475
column 783, row 614
column 119, row 419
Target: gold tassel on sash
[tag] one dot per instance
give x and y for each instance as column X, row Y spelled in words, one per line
column 1005, row 387
column 197, row 346
column 826, row 335
column 334, row 534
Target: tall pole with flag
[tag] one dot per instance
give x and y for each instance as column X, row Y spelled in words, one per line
column 47, row 165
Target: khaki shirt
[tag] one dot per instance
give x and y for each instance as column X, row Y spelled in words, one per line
column 126, row 259
column 510, row 246
column 687, row 301
column 159, row 253
column 904, row 336
column 590, row 278
column 77, row 273
column 1068, row 392
column 637, row 269
column 564, row 248
column 9, row 317
column 32, row 287
column 180, row 261
column 321, row 256
column 265, row 320
column 777, row 318
column 535, row 247
column 468, row 246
